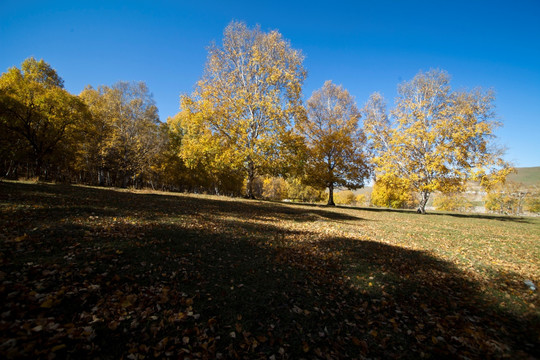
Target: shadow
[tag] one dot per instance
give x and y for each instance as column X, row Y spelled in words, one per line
column 125, row 202
column 196, row 277
column 504, row 218
column 375, row 209
column 440, row 308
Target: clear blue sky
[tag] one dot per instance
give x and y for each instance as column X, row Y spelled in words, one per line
column 366, row 46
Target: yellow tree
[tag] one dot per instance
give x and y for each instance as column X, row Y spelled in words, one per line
column 275, row 188
column 393, row 192
column 198, row 173
column 337, row 154
column 125, row 135
column 245, row 102
column 437, row 139
column 36, row 112
column 508, row 198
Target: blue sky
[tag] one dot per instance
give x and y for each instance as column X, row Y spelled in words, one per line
column 366, row 46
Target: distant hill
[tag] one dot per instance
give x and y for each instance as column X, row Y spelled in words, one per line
column 526, row 175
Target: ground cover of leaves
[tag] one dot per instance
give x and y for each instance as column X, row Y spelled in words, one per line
column 102, row 273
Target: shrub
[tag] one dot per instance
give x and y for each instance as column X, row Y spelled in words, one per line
column 393, row 192
column 509, row 198
column 345, row 197
column 533, row 204
column 452, row 202
column 363, row 199
column 275, row 188
column 298, row 191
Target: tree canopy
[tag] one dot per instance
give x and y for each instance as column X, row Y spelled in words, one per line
column 337, row 153
column 36, row 113
column 124, row 133
column 246, row 130
column 435, row 137
column 245, row 102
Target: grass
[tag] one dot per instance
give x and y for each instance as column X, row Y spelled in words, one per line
column 92, row 272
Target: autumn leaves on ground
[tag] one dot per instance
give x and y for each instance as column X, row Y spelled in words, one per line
column 101, row 273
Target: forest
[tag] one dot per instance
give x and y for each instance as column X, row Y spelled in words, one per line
column 246, row 131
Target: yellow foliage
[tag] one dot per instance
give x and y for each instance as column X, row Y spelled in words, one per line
column 39, row 119
column 533, row 203
column 436, row 138
column 244, row 103
column 452, row 202
column 393, row 192
column 510, row 198
column 124, row 134
column 345, row 197
column 336, row 145
column 275, row 188
column 304, row 193
column 362, row 199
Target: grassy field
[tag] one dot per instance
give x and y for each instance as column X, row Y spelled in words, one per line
column 102, row 273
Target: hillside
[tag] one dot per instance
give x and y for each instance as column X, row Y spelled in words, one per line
column 106, row 273
column 526, row 175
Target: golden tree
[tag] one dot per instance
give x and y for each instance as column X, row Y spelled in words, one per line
column 299, row 191
column 124, row 133
column 36, row 112
column 337, row 154
column 244, row 104
column 436, row 138
column 452, row 202
column 275, row 188
column 508, row 198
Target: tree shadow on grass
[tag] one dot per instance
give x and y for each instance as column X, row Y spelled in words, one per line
column 154, row 205
column 504, row 218
column 443, row 308
column 413, row 212
column 229, row 287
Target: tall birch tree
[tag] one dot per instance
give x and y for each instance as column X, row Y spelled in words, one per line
column 435, row 138
column 245, row 102
column 124, row 135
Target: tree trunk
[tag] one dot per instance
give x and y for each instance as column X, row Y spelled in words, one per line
column 101, row 177
column 331, row 195
column 251, row 177
column 37, row 169
column 423, row 202
column 11, row 171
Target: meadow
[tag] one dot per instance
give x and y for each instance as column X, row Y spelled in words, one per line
column 91, row 272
